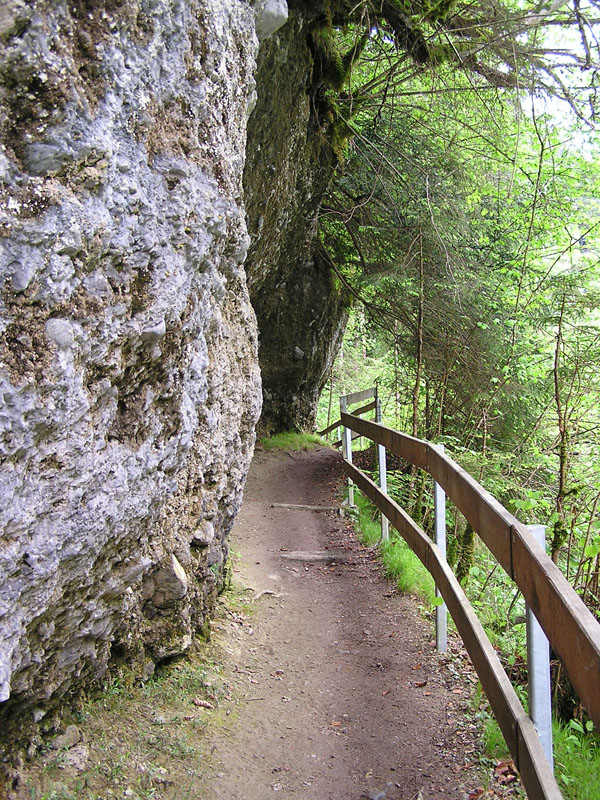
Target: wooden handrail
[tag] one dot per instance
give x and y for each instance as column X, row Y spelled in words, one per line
column 340, row 441
column 330, row 428
column 570, row 626
column 518, row 730
column 356, row 397
column 338, row 422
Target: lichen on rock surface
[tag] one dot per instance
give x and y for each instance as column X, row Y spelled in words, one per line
column 129, row 383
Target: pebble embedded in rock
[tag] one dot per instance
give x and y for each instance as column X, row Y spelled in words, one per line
column 204, row 534
column 43, row 158
column 60, row 333
column 22, row 276
column 171, row 584
column 154, row 333
column 76, row 758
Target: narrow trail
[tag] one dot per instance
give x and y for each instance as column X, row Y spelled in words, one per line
column 343, row 693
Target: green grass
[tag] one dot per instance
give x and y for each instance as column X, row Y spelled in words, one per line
column 576, row 761
column 576, row 757
column 400, row 563
column 292, row 441
column 138, row 733
column 495, row 746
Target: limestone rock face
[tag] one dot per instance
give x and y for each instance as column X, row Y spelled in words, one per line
column 290, row 161
column 129, row 385
column 270, row 16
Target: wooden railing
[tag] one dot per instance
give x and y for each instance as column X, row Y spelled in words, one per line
column 570, row 627
column 351, row 399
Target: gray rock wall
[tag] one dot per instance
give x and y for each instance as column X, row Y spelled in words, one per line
column 129, row 385
column 301, row 312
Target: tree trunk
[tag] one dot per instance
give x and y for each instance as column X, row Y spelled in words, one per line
column 560, row 530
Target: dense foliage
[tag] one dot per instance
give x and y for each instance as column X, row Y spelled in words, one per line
column 465, row 222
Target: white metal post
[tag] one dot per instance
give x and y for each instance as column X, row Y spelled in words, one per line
column 439, row 506
column 347, row 449
column 538, row 665
column 381, row 458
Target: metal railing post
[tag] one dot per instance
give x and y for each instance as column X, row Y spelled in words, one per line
column 347, row 449
column 539, row 691
column 382, row 461
column 441, row 614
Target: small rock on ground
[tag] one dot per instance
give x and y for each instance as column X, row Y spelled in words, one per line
column 68, row 739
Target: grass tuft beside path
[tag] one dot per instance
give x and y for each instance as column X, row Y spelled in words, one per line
column 290, row 440
column 400, row 563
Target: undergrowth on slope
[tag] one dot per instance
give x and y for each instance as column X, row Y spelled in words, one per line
column 576, row 749
column 290, row 440
column 400, row 563
column 577, row 761
column 576, row 756
column 141, row 741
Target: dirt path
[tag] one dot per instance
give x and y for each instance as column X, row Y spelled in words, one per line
column 343, row 693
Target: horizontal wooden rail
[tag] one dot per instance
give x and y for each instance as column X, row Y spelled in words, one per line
column 356, row 397
column 341, row 441
column 573, row 631
column 338, row 422
column 330, row 428
column 518, row 730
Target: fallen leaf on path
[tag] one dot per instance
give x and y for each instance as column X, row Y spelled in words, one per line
column 387, row 691
column 198, row 701
column 505, row 772
column 456, row 691
column 336, row 724
column 476, row 793
column 419, row 684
